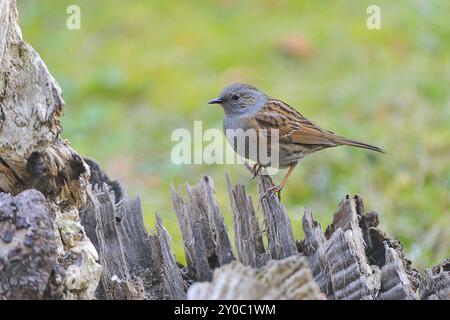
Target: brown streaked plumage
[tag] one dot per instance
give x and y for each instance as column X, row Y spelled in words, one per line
column 248, row 108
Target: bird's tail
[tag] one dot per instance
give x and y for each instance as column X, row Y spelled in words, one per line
column 350, row 142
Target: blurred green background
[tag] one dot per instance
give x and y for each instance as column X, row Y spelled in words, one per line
column 137, row 70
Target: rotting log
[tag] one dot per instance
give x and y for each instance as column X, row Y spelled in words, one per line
column 67, row 231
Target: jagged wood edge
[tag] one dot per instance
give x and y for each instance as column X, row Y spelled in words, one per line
column 350, row 262
column 34, row 156
column 248, row 236
column 136, row 265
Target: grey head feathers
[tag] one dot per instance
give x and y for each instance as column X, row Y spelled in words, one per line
column 240, row 98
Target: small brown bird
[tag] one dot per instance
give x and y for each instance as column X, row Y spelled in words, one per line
column 247, row 108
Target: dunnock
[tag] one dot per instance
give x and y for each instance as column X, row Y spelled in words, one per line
column 247, row 108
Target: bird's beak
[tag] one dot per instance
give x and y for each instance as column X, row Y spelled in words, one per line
column 216, row 101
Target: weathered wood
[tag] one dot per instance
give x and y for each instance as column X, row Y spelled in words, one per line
column 47, row 253
column 204, row 233
column 33, row 155
column 249, row 241
column 116, row 279
column 277, row 224
column 395, row 283
column 28, row 246
column 172, row 278
column 136, row 265
column 248, row 237
column 205, row 237
column 284, row 279
column 355, row 260
column 435, row 283
column 314, row 247
column 399, row 280
column 218, row 230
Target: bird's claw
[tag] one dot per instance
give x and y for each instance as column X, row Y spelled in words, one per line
column 271, row 191
column 256, row 169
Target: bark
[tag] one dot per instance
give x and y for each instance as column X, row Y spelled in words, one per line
column 33, row 156
column 354, row 259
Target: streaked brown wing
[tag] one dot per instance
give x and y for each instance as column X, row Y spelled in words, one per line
column 293, row 127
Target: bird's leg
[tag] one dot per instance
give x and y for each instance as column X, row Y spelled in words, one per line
column 256, row 169
column 278, row 188
column 286, row 177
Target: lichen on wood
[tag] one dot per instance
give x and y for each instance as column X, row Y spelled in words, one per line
column 34, row 156
column 28, row 245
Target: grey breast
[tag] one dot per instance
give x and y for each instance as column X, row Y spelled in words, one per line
column 247, row 143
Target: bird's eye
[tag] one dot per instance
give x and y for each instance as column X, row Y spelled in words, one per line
column 235, row 97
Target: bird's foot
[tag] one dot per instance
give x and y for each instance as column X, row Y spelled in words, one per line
column 272, row 190
column 255, row 170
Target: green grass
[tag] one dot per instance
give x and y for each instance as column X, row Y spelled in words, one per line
column 138, row 70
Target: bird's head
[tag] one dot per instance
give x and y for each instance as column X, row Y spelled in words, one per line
column 239, row 98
